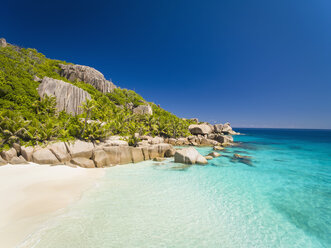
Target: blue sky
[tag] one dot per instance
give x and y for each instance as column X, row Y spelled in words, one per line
column 255, row 63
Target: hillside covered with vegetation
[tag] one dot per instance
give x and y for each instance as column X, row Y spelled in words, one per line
column 25, row 118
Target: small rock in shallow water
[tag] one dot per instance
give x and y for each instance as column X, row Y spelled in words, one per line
column 218, row 148
column 214, row 154
column 208, row 157
column 242, row 159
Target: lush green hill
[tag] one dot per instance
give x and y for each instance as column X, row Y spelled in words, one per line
column 25, row 118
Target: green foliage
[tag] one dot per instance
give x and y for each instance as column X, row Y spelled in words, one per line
column 27, row 119
column 123, row 96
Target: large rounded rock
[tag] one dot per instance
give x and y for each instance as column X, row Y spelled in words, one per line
column 208, row 142
column 88, row 75
column 113, row 153
column 68, row 97
column 224, row 139
column 170, row 153
column 9, row 154
column 226, row 128
column 200, row 129
column 18, row 160
column 60, row 151
column 125, row 155
column 189, row 156
column 218, row 128
column 80, row 149
column 162, row 148
column 27, row 152
column 153, row 151
column 44, row 156
column 83, row 162
column 101, row 158
column 137, row 154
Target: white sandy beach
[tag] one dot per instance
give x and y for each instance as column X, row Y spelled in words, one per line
column 30, row 194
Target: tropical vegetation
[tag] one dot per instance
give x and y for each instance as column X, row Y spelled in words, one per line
column 27, row 119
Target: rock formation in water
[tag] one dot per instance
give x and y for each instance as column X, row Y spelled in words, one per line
column 68, row 97
column 189, row 156
column 88, row 75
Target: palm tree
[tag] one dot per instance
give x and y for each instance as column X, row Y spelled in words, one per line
column 87, row 107
column 12, row 129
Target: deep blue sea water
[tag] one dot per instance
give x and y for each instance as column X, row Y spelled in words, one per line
column 282, row 198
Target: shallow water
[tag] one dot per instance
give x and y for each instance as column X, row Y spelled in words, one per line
column 283, row 200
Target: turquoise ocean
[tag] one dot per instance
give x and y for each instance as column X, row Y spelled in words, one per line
column 281, row 197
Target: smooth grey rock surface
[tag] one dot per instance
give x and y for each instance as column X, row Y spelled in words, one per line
column 44, row 156
column 83, row 162
column 9, row 154
column 88, row 75
column 27, row 152
column 18, row 160
column 200, row 129
column 68, row 97
column 60, row 151
column 80, row 148
column 189, row 156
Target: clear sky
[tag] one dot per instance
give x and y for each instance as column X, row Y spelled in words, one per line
column 255, row 63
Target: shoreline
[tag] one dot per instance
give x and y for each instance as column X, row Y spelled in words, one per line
column 31, row 194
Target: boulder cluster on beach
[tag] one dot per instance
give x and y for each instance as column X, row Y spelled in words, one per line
column 115, row 150
column 86, row 154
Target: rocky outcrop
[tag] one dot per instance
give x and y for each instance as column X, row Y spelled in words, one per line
column 86, row 154
column 9, row 154
column 44, row 156
column 200, row 129
column 60, row 151
column 27, row 152
column 137, row 154
column 80, row 148
column 68, row 97
column 227, row 129
column 143, row 110
column 3, row 42
column 83, row 162
column 208, row 142
column 18, row 160
column 189, row 156
column 100, row 158
column 169, row 152
column 88, row 75
column 224, row 139
column 218, row 128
